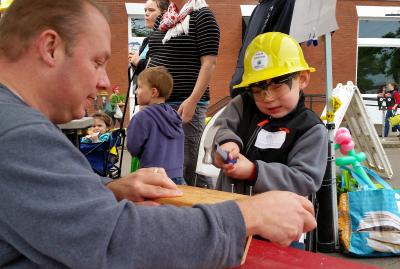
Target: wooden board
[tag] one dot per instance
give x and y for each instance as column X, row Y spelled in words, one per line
column 195, row 195
column 366, row 138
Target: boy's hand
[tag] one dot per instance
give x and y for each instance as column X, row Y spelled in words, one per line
column 232, row 148
column 242, row 169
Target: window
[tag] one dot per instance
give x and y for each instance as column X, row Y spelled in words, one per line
column 136, row 29
column 378, row 44
column 378, row 29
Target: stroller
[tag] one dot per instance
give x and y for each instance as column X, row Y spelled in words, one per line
column 104, row 156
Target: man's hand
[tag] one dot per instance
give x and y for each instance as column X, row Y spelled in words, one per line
column 278, row 216
column 186, row 110
column 145, row 183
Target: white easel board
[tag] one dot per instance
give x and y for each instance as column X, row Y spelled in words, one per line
column 363, row 131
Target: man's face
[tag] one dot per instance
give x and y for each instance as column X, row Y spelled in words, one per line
column 83, row 74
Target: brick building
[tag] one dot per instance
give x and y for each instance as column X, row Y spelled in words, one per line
column 228, row 13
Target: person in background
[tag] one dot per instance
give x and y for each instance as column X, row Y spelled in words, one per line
column 278, row 143
column 186, row 42
column 391, row 91
column 381, row 91
column 99, row 131
column 155, row 133
column 152, row 9
column 116, row 101
column 55, row 212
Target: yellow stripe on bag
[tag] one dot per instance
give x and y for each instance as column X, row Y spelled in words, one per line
column 344, row 221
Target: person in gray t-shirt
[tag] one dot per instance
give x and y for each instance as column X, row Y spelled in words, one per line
column 55, row 212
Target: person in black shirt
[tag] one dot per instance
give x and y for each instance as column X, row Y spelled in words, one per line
column 188, row 50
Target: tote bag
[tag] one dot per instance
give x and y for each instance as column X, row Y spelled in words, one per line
column 369, row 219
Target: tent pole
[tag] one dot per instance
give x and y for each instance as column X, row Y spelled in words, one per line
column 327, row 216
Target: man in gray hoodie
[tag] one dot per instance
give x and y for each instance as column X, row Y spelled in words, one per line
column 54, row 211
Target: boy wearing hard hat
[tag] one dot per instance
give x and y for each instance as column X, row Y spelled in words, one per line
column 274, row 142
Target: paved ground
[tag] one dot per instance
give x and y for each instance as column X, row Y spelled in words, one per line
column 392, row 149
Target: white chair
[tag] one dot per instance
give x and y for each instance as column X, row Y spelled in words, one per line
column 202, row 168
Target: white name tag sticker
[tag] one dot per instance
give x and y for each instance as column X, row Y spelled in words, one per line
column 269, row 140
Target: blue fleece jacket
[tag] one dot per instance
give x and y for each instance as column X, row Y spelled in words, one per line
column 155, row 135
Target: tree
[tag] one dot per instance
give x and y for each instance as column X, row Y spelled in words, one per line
column 138, row 29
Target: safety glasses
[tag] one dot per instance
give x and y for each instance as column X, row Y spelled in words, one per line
column 272, row 89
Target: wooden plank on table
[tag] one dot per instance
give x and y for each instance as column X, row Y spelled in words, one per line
column 194, row 195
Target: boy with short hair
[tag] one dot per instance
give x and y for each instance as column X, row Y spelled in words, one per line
column 155, row 134
column 277, row 143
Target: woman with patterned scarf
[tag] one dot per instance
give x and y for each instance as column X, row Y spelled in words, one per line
column 186, row 42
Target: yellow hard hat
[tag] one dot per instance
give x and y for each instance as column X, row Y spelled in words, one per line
column 272, row 55
column 4, row 4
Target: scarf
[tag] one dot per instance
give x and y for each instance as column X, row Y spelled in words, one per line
column 175, row 23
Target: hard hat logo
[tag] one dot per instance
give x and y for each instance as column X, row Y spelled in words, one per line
column 272, row 55
column 259, row 60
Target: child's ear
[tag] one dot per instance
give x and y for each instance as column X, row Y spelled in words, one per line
column 304, row 79
column 155, row 93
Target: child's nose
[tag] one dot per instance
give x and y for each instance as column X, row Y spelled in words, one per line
column 267, row 96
